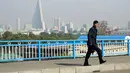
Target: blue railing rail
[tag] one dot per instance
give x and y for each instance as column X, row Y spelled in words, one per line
column 14, row 50
column 103, row 37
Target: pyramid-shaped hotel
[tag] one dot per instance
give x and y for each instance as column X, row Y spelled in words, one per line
column 38, row 22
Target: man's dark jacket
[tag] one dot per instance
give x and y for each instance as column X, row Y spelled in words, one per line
column 92, row 34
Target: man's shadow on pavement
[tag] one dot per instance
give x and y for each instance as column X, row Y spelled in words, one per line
column 68, row 64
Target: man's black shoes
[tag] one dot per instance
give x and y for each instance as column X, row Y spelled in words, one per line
column 102, row 62
column 90, row 65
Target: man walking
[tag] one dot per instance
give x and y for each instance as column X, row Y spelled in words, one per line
column 92, row 45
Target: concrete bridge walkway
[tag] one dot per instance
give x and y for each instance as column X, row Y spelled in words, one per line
column 66, row 65
column 118, row 71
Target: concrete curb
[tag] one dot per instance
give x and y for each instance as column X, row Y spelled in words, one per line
column 81, row 69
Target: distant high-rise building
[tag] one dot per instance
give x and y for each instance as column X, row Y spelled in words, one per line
column 9, row 28
column 48, row 31
column 55, row 28
column 65, row 29
column 6, row 27
column 54, row 21
column 27, row 26
column 57, row 23
column 129, row 25
column 86, row 27
column 38, row 21
column 2, row 26
column 18, row 24
column 70, row 27
column 62, row 24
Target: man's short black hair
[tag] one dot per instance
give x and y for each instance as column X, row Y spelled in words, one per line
column 95, row 22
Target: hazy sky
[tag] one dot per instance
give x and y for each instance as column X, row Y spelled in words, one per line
column 116, row 12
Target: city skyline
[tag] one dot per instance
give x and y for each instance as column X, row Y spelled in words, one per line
column 79, row 12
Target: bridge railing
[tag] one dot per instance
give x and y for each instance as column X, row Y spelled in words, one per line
column 19, row 50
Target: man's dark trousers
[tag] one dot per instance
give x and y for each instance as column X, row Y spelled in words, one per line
column 91, row 49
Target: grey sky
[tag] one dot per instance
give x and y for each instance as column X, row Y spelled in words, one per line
column 116, row 12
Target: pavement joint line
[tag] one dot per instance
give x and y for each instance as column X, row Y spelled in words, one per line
column 76, row 69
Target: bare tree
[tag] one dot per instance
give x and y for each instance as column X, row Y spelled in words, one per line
column 103, row 27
